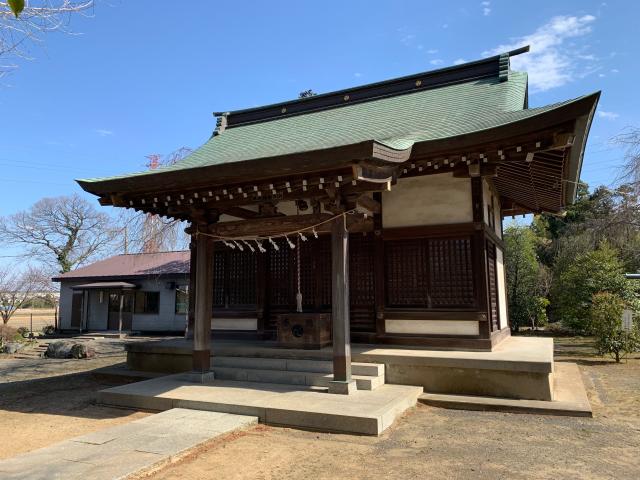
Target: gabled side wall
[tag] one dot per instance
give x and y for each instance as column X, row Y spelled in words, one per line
column 441, row 239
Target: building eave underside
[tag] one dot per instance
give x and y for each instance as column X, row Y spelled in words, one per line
column 537, row 161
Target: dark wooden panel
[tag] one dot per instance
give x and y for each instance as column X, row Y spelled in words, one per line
column 234, row 279
column 430, row 273
column 361, row 282
column 451, row 273
column 406, row 273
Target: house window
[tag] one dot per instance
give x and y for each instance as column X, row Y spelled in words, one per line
column 147, row 302
column 182, row 299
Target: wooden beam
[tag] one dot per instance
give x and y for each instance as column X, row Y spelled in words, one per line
column 368, row 203
column 240, row 212
column 268, row 226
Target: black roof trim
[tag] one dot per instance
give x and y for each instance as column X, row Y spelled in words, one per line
column 485, row 68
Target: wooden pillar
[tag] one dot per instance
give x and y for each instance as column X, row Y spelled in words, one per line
column 479, row 256
column 84, row 319
column 203, row 304
column 342, row 382
column 192, row 288
column 378, row 268
column 120, row 312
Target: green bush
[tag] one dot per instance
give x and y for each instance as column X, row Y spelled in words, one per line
column 606, row 323
column 593, row 272
column 24, row 331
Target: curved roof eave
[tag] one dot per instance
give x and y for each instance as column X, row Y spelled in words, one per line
column 346, row 155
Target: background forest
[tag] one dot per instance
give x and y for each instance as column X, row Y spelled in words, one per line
column 557, row 264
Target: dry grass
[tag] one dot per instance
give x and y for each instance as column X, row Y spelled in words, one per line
column 41, row 318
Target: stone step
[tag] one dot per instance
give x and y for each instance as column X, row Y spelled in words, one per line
column 289, row 377
column 314, row 366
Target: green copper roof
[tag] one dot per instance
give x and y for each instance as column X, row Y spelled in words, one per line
column 396, row 121
column 483, row 99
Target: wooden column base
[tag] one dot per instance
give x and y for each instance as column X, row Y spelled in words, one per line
column 201, row 361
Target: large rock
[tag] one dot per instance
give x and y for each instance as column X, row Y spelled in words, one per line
column 59, row 349
column 65, row 349
column 80, row 350
column 12, row 347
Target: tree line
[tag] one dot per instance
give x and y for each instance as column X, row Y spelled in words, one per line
column 570, row 268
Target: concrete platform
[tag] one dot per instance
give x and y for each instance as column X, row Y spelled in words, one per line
column 570, row 398
column 363, row 412
column 121, row 451
column 518, row 368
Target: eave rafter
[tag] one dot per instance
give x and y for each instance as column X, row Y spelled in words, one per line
column 206, row 205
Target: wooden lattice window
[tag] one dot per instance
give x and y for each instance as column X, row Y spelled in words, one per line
column 241, row 278
column 429, row 273
column 406, row 273
column 450, row 273
column 361, row 283
column 219, row 278
column 280, row 275
column 234, row 279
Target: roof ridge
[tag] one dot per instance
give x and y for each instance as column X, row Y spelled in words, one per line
column 495, row 66
column 147, row 253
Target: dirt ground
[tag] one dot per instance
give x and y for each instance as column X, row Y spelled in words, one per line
column 426, row 443
column 44, row 401
column 436, row 443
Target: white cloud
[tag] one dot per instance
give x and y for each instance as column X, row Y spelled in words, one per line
column 357, row 74
column 432, row 51
column 486, row 8
column 615, row 70
column 407, row 39
column 436, row 61
column 608, row 115
column 459, row 61
column 549, row 63
column 103, row 132
column 601, row 75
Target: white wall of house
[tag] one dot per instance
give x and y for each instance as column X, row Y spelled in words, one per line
column 165, row 320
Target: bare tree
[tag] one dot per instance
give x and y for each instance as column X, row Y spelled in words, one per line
column 630, row 174
column 17, row 288
column 149, row 233
column 64, row 232
column 22, row 27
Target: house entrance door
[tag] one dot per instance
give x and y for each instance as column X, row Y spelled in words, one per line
column 114, row 310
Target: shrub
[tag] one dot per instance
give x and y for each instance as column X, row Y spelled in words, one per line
column 597, row 271
column 48, row 330
column 24, row 331
column 606, row 322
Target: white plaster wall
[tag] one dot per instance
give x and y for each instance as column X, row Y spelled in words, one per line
column 220, row 323
column 427, row 200
column 432, row 327
column 489, row 191
column 502, row 289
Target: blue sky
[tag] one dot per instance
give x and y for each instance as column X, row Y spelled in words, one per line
column 144, row 77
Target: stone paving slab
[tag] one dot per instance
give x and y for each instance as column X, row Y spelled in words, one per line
column 123, row 450
column 363, row 412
